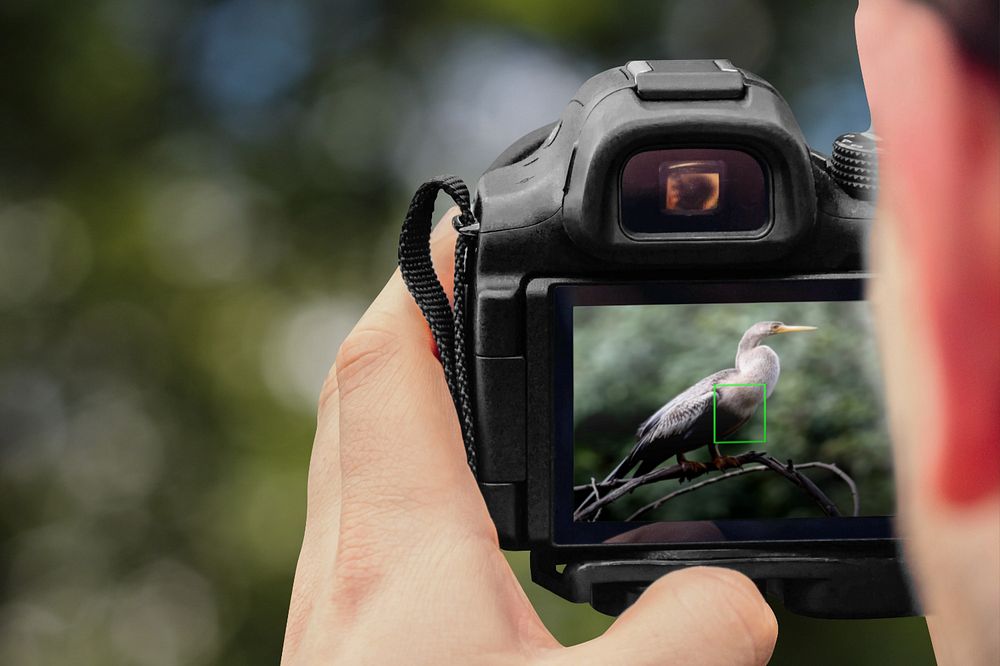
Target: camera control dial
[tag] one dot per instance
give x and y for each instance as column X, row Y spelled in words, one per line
column 854, row 164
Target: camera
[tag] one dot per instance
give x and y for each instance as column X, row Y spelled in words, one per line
column 671, row 220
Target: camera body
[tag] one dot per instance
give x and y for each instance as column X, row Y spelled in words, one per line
column 597, row 202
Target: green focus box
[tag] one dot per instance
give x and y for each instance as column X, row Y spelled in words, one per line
column 715, row 399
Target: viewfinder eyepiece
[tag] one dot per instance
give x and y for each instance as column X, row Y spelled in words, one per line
column 693, row 191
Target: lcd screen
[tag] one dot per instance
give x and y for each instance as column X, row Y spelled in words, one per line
column 705, row 418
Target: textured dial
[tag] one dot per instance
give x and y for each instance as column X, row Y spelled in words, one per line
column 854, row 164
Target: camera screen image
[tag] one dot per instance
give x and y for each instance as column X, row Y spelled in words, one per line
column 716, row 411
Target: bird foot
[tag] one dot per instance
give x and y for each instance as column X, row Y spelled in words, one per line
column 691, row 469
column 725, row 462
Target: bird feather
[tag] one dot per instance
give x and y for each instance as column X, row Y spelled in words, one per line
column 682, row 411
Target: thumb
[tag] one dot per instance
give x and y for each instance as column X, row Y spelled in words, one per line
column 697, row 617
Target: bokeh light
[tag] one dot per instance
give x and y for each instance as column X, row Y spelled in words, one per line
column 197, row 201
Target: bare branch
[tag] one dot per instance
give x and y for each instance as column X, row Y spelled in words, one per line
column 620, row 487
column 789, row 472
column 846, row 478
column 748, row 470
column 695, row 486
column 593, row 484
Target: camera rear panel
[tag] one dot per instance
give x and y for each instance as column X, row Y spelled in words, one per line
column 684, row 190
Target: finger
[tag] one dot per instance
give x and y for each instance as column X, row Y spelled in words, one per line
column 701, row 616
column 378, row 492
column 393, row 396
column 323, row 505
column 401, row 449
column 324, row 483
column 306, row 614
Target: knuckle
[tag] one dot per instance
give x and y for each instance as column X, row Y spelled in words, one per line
column 392, row 529
column 362, row 354
column 358, row 573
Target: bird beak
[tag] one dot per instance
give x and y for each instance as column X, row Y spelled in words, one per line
column 794, row 329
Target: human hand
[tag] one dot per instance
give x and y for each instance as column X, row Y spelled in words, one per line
column 400, row 560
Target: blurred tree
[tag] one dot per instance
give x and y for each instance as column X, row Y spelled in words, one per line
column 196, row 200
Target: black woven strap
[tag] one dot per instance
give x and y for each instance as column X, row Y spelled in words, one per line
column 447, row 325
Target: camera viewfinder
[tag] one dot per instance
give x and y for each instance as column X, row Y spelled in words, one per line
column 672, row 191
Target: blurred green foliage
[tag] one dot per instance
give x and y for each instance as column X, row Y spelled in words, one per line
column 630, row 360
column 196, row 201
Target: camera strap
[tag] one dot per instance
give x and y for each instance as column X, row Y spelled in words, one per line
column 447, row 324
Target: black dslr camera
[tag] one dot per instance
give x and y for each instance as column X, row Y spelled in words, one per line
column 613, row 266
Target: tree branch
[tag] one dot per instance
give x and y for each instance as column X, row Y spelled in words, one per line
column 620, row 487
column 748, row 470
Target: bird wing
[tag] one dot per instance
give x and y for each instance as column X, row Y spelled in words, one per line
column 681, row 412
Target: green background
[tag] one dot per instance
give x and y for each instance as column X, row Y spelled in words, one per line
column 196, row 201
column 826, row 406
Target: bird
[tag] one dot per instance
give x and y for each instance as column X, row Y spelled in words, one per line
column 685, row 423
